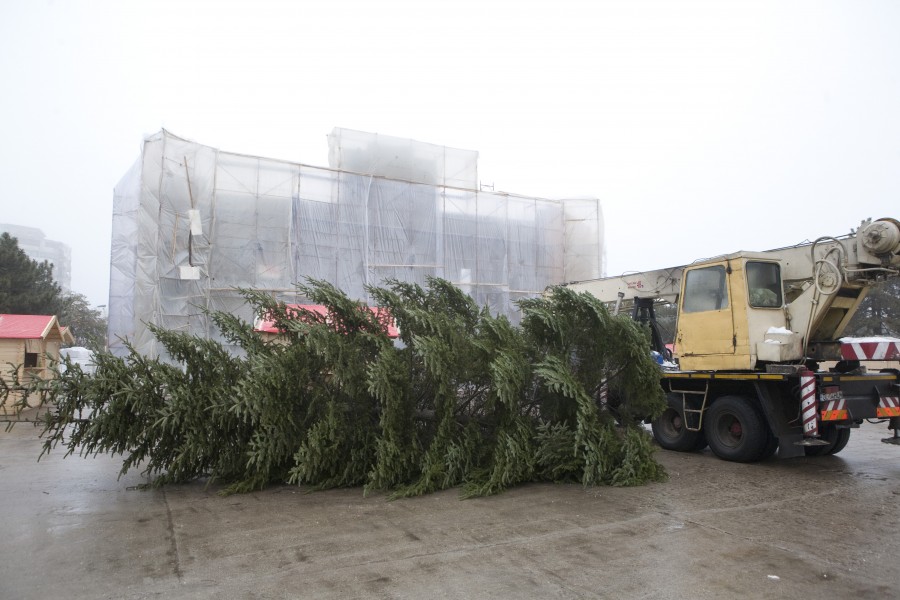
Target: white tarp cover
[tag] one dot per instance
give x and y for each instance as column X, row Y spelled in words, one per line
column 192, row 223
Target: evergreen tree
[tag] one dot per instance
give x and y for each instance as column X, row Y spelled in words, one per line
column 464, row 398
column 879, row 313
column 26, row 286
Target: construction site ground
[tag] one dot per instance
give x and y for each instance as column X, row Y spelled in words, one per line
column 793, row 528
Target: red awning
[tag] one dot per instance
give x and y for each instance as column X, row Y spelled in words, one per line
column 268, row 326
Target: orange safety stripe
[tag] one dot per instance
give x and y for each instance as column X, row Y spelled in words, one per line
column 835, row 415
column 891, row 411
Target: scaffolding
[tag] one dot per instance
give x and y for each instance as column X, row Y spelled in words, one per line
column 193, row 224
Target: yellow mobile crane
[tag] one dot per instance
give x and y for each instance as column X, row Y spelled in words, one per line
column 751, row 330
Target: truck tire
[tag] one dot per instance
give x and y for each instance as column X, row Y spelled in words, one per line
column 836, row 438
column 736, row 430
column 843, row 436
column 670, row 432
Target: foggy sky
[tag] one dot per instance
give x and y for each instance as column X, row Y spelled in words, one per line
column 703, row 127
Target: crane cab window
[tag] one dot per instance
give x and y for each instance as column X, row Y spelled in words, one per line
column 764, row 284
column 705, row 289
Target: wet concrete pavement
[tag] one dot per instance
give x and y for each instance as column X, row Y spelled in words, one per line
column 796, row 528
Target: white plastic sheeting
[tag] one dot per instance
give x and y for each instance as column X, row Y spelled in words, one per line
column 191, row 224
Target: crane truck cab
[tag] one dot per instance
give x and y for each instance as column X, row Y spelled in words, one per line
column 732, row 314
column 751, row 331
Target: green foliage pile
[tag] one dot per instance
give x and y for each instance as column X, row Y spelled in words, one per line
column 463, row 398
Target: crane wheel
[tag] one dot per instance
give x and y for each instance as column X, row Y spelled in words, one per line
column 670, row 432
column 736, row 430
column 836, row 438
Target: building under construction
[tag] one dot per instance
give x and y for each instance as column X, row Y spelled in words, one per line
column 192, row 224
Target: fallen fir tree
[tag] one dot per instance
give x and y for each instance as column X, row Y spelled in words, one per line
column 465, row 399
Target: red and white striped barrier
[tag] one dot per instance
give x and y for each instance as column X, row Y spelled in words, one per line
column 888, row 406
column 870, row 349
column 834, row 410
column 808, row 404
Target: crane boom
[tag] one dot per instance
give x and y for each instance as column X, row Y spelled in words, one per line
column 870, row 252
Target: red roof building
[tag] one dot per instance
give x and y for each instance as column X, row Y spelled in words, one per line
column 31, row 343
column 27, row 327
